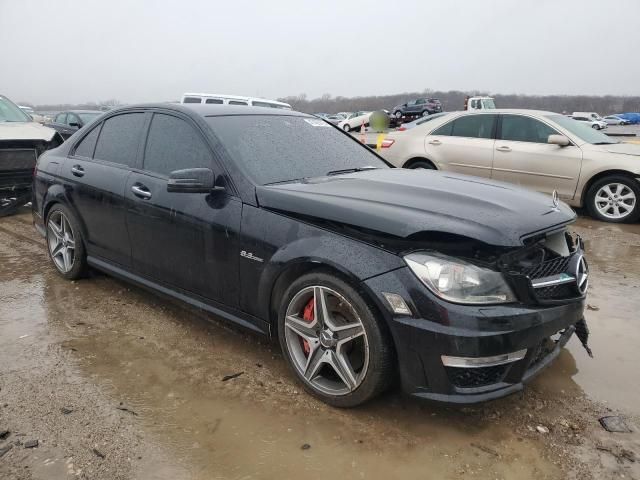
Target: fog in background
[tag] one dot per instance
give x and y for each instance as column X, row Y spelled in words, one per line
column 77, row 51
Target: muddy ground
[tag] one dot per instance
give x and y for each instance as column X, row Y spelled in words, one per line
column 116, row 383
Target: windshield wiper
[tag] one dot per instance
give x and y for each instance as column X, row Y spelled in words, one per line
column 350, row 170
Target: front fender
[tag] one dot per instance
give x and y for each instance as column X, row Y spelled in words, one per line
column 284, row 243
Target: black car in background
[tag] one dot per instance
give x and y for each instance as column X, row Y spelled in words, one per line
column 461, row 287
column 419, row 106
column 69, row 122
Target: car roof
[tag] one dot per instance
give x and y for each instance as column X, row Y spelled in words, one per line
column 511, row 110
column 213, row 110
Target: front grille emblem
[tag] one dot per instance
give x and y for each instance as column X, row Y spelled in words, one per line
column 582, row 275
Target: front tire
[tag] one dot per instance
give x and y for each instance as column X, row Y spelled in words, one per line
column 615, row 199
column 425, row 113
column 398, row 114
column 346, row 127
column 597, row 127
column 333, row 341
column 421, row 165
column 65, row 243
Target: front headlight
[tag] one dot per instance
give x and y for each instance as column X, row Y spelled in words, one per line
column 458, row 281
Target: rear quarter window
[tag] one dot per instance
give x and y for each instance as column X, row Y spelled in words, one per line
column 88, row 144
column 119, row 139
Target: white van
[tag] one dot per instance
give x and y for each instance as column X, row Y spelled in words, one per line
column 590, row 115
column 222, row 99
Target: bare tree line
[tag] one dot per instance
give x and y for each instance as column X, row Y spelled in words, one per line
column 451, row 100
column 454, row 100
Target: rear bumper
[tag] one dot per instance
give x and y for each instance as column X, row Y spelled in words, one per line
column 439, row 328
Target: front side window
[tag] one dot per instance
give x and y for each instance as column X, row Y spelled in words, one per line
column 173, row 144
column 72, row 118
column 216, row 101
column 119, row 139
column 280, row 148
column 474, row 126
column 61, row 118
column 192, row 100
column 517, row 128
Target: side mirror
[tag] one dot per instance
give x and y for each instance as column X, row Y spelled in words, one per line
column 75, row 124
column 192, row 180
column 559, row 140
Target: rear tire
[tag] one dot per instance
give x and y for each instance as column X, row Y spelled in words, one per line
column 65, row 243
column 597, row 127
column 369, row 356
column 614, row 199
column 422, row 165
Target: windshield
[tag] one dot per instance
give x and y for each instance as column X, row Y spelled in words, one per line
column 88, row 117
column 9, row 112
column 582, row 130
column 488, row 103
column 275, row 148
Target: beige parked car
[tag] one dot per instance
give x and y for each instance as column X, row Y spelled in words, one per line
column 543, row 151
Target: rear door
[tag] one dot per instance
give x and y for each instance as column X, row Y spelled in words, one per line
column 95, row 174
column 523, row 156
column 187, row 241
column 464, row 145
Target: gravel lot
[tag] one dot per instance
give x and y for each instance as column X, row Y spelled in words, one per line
column 116, row 383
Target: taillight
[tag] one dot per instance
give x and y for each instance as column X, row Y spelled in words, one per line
column 387, row 142
column 402, row 129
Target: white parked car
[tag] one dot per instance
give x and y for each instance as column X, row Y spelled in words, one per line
column 615, row 120
column 224, row 99
column 355, row 121
column 592, row 122
column 543, row 151
column 31, row 112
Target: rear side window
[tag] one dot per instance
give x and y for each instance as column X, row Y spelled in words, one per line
column 173, row 144
column 119, row 138
column 217, row 101
column 474, row 126
column 524, row 129
column 236, row 102
column 192, row 100
column 88, row 144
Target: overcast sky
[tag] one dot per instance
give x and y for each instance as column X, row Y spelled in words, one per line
column 66, row 51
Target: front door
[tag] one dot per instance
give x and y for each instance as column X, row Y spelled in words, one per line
column 187, row 241
column 523, row 156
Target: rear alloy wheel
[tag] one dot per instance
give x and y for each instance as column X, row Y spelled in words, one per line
column 64, row 242
column 333, row 342
column 614, row 199
column 346, row 127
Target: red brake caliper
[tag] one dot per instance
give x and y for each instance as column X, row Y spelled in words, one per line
column 308, row 316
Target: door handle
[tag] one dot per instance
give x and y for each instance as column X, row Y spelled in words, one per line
column 435, row 142
column 141, row 191
column 504, row 149
column 77, row 170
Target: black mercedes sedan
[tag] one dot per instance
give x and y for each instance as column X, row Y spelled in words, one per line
column 460, row 287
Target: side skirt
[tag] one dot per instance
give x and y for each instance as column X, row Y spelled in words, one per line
column 244, row 320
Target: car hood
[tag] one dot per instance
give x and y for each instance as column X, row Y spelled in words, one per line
column 623, row 148
column 25, row 131
column 402, row 203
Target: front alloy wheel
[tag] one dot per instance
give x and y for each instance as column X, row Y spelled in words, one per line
column 614, row 199
column 326, row 340
column 333, row 340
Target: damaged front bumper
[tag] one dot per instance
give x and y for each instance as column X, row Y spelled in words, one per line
column 506, row 345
